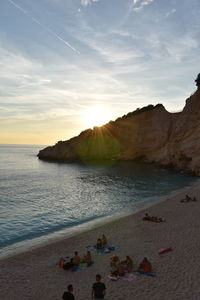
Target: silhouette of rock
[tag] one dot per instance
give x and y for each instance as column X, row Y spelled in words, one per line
column 198, row 80
column 150, row 134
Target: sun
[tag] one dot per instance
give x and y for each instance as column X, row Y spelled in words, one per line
column 96, row 116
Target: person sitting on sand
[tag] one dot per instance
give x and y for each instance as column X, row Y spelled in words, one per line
column 128, row 264
column 186, row 199
column 114, row 270
column 104, row 240
column 99, row 244
column 114, row 261
column 120, row 269
column 76, row 259
column 145, row 266
column 68, row 265
column 87, row 258
column 61, row 262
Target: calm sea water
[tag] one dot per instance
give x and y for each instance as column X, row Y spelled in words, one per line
column 39, row 198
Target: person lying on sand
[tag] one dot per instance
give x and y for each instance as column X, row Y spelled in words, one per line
column 188, row 199
column 153, row 219
column 128, row 264
column 145, row 266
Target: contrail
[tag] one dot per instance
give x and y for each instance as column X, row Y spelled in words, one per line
column 43, row 26
column 20, row 8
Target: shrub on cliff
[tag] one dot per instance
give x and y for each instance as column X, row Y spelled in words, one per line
column 198, row 80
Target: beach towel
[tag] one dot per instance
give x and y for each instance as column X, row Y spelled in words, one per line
column 78, row 268
column 81, row 267
column 147, row 273
column 164, row 250
column 105, row 250
column 112, row 277
column 127, row 276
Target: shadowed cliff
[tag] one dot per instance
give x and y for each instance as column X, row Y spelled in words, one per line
column 151, row 134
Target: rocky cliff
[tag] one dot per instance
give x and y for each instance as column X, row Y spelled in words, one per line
column 151, row 134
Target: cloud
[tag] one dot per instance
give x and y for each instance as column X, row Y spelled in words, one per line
column 87, row 2
column 116, row 53
column 39, row 91
column 170, row 12
column 140, row 4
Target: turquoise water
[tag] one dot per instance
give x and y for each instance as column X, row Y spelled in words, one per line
column 39, row 198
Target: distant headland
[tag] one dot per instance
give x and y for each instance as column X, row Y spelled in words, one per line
column 150, row 134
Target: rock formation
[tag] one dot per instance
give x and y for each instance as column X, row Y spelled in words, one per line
column 151, row 134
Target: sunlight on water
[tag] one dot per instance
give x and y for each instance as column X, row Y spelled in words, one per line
column 38, row 198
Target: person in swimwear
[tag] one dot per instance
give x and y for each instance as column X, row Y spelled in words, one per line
column 87, row 258
column 104, row 240
column 120, row 269
column 145, row 266
column 76, row 259
column 128, row 264
column 114, row 262
column 99, row 244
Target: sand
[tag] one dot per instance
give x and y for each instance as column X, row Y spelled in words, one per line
column 34, row 275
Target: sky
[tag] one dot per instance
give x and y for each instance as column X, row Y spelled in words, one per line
column 67, row 65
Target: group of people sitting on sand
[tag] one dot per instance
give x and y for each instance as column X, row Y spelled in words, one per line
column 188, row 199
column 101, row 242
column 119, row 268
column 153, row 219
column 76, row 261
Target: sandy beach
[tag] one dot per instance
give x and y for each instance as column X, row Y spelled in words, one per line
column 34, row 275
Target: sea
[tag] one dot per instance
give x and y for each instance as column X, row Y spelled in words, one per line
column 41, row 201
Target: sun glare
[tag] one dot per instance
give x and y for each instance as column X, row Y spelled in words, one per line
column 97, row 116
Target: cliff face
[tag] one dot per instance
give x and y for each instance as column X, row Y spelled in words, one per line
column 152, row 134
column 183, row 147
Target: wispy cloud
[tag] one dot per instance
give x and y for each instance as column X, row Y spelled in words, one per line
column 140, row 4
column 171, row 12
column 127, row 61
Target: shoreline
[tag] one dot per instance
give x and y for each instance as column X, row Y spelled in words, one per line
column 34, row 274
column 71, row 232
